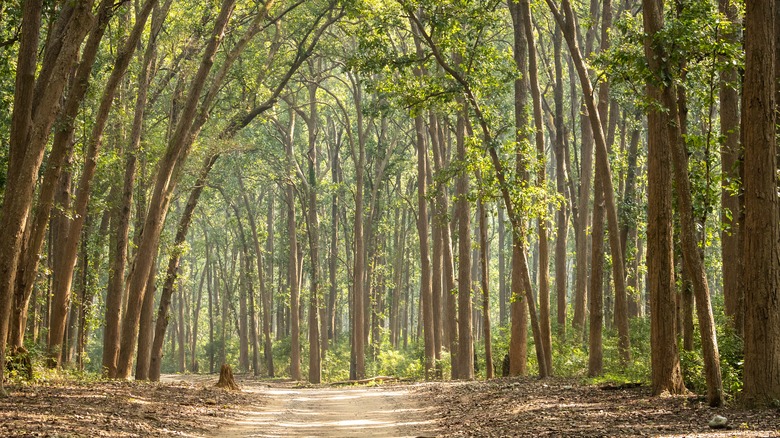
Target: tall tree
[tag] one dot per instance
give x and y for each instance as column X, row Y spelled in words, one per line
column 762, row 225
column 177, row 150
column 665, row 359
column 730, row 152
column 35, row 105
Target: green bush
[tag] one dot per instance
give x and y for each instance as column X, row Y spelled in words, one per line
column 731, row 359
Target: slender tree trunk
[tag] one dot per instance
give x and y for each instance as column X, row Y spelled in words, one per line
column 629, row 231
column 541, row 181
column 665, row 360
column 733, row 290
column 194, row 367
column 426, row 294
column 243, row 316
column 503, row 300
column 483, row 261
column 602, row 163
column 562, row 215
column 596, row 301
column 267, row 295
column 61, row 290
column 358, row 293
column 313, row 226
column 145, row 332
column 177, row 149
column 465, row 334
column 182, row 351
column 450, row 327
column 521, row 279
column 211, row 289
column 292, row 270
column 333, row 248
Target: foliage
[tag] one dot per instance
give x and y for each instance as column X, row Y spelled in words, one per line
column 731, row 352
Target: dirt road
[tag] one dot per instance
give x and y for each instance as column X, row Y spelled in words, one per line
column 386, row 411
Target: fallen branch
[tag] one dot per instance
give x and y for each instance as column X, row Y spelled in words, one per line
column 613, row 387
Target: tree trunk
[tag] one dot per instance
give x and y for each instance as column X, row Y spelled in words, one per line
column 358, row 292
column 61, row 291
column 177, row 149
column 426, row 294
column 562, row 215
column 267, row 294
column 503, row 300
column 450, row 326
column 629, row 231
column 596, row 302
column 194, row 367
column 483, row 261
column 465, row 335
column 145, row 328
column 602, row 162
column 313, row 226
column 33, row 115
column 541, row 181
column 333, row 248
column 292, row 269
column 521, row 279
column 665, row 360
column 761, row 228
column 733, row 290
column 182, row 351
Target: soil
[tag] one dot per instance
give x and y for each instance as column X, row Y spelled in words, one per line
column 566, row 408
column 191, row 406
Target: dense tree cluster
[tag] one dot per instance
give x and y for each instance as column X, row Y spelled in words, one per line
column 330, row 189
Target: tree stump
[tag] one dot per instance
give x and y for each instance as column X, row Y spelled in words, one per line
column 226, row 379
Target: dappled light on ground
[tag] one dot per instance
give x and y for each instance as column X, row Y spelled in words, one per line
column 335, row 412
column 560, row 407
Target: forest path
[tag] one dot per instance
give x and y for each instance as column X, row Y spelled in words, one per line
column 287, row 410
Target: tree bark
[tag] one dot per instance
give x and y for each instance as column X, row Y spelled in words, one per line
column 462, row 212
column 483, row 263
column 733, row 290
column 761, row 227
column 450, row 326
column 665, row 359
column 292, row 266
column 562, row 215
column 313, row 226
column 596, row 301
column 541, row 181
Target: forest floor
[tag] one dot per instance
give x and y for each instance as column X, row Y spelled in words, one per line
column 189, row 405
column 566, row 408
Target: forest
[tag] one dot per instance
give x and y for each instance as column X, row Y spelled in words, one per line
column 334, row 190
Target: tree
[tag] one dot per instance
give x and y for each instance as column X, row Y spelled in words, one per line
column 33, row 115
column 761, row 227
column 177, row 150
column 665, row 359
